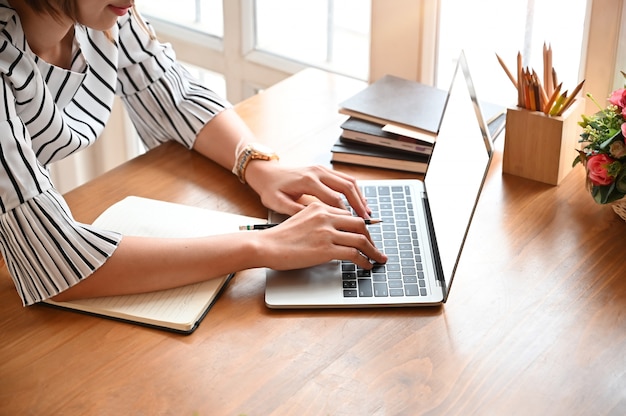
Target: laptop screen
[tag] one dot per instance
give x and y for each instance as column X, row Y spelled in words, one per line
column 457, row 169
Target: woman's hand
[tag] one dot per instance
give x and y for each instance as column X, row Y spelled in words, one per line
column 281, row 188
column 318, row 234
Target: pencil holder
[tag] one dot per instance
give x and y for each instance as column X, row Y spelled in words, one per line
column 541, row 147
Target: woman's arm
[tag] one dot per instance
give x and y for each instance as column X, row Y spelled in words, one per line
column 318, row 234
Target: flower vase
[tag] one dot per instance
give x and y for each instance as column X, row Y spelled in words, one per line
column 619, row 207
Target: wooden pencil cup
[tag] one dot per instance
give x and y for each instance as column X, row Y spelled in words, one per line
column 540, row 147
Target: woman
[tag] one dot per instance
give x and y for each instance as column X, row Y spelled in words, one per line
column 61, row 62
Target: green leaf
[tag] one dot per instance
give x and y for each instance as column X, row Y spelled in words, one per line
column 601, row 194
column 613, row 135
column 620, row 182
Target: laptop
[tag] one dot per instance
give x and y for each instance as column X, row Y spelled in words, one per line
column 424, row 223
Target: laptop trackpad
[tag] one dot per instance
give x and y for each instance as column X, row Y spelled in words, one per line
column 314, row 286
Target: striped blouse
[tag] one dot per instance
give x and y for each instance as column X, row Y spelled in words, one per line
column 48, row 113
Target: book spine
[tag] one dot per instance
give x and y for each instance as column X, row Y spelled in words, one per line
column 375, row 162
column 388, row 143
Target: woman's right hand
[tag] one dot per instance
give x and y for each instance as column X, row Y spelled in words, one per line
column 318, row 234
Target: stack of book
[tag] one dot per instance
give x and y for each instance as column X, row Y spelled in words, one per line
column 393, row 124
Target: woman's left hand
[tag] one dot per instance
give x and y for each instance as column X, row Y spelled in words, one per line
column 282, row 188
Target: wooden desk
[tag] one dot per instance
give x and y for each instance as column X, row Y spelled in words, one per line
column 535, row 324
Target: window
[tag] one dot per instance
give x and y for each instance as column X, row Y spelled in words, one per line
column 485, row 28
column 327, row 34
column 203, row 16
column 256, row 43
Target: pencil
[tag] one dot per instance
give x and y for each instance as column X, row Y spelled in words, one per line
column 550, row 103
column 506, row 70
column 555, row 79
column 257, row 226
column 527, row 99
column 546, row 76
column 543, row 95
column 520, row 92
column 548, row 70
column 558, row 104
column 530, row 102
column 270, row 225
column 538, row 92
column 571, row 98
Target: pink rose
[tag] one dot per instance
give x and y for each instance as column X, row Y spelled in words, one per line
column 618, row 98
column 597, row 169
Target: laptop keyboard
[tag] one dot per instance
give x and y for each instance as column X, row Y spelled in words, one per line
column 396, row 236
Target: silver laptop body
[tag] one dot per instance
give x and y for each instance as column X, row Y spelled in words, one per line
column 424, row 226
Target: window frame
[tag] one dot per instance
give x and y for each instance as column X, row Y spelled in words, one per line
column 410, row 50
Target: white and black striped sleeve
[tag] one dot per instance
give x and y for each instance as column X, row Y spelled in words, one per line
column 45, row 250
column 163, row 100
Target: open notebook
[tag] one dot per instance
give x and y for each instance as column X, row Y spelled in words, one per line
column 181, row 309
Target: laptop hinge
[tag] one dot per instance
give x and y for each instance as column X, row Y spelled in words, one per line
column 435, row 249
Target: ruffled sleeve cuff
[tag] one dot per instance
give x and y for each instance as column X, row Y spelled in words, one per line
column 46, row 251
column 176, row 107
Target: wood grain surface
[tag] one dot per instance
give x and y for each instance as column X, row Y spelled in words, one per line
column 535, row 323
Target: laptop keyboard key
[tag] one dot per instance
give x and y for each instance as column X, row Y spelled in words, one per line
column 369, row 191
column 410, row 279
column 379, row 277
column 348, row 275
column 349, row 284
column 365, row 288
column 363, row 273
column 411, row 290
column 395, row 284
column 380, row 290
column 394, row 275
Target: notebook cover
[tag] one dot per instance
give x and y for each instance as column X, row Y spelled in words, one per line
column 396, row 100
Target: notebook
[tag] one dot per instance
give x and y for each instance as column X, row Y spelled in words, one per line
column 179, row 309
column 422, row 239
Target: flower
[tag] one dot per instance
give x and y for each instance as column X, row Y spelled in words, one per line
column 603, row 153
column 602, row 169
column 618, row 98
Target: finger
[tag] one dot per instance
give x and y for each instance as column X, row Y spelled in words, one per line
column 346, row 185
column 293, row 207
column 358, row 202
column 355, row 256
column 340, row 214
column 322, row 213
column 286, row 205
column 355, row 234
column 353, row 194
column 354, row 225
column 363, row 255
